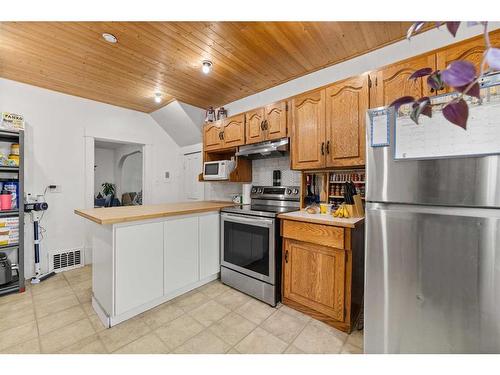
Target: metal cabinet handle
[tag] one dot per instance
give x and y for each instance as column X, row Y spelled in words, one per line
column 322, row 148
column 286, row 256
column 328, row 147
column 262, row 125
column 221, row 135
column 266, row 125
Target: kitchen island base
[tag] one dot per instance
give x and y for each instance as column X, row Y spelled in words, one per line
column 142, row 264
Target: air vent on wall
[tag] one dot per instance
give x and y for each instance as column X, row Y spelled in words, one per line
column 65, row 260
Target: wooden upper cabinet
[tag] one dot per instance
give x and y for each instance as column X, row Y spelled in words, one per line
column 233, row 129
column 275, row 123
column 470, row 50
column 314, row 276
column 255, row 126
column 346, row 106
column 212, row 136
column 392, row 81
column 308, row 134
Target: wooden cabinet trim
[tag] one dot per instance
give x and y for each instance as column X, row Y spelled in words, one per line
column 308, row 149
column 234, row 131
column 254, row 126
column 346, row 106
column 276, row 117
column 320, row 234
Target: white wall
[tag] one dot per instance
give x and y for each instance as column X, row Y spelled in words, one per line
column 129, row 171
column 182, row 121
column 56, row 128
column 404, row 49
column 104, row 168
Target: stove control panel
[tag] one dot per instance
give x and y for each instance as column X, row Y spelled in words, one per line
column 276, row 192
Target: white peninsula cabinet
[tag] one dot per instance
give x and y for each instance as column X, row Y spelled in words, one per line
column 140, row 264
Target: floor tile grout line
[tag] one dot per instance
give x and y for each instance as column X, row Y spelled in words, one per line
column 188, row 313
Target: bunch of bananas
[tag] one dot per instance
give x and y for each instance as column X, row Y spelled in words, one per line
column 341, row 211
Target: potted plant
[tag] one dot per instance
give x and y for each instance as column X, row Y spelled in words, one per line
column 460, row 76
column 108, row 189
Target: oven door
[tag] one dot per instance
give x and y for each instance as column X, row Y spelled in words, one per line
column 248, row 245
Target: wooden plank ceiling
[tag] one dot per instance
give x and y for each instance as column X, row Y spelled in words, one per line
column 248, row 57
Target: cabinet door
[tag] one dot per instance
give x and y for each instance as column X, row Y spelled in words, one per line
column 139, row 265
column 392, row 82
column 275, row 120
column 234, row 131
column 254, row 126
column 181, row 253
column 346, row 106
column 212, row 137
column 314, row 276
column 308, row 136
column 469, row 50
column 209, row 245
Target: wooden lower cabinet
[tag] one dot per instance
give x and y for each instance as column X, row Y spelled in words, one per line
column 314, row 277
column 325, row 282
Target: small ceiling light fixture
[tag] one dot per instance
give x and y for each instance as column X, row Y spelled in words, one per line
column 110, row 38
column 206, row 66
column 157, row 97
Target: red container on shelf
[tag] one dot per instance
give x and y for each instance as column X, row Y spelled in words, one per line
column 5, row 200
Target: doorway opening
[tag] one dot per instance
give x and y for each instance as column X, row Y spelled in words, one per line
column 118, row 174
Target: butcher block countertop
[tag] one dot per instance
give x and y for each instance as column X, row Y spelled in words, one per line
column 122, row 214
column 324, row 219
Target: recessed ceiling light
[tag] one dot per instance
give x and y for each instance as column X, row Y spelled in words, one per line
column 206, row 66
column 157, row 97
column 110, row 38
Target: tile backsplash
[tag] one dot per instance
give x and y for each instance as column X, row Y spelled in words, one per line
column 262, row 172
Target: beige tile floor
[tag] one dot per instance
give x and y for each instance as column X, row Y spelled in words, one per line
column 57, row 317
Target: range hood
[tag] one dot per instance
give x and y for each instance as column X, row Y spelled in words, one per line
column 265, row 149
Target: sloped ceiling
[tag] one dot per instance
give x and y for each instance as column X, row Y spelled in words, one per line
column 181, row 121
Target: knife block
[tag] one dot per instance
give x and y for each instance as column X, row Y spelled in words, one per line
column 356, row 209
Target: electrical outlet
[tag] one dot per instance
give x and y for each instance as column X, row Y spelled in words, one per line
column 55, row 188
column 167, row 176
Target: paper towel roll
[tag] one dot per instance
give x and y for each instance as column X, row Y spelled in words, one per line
column 246, row 193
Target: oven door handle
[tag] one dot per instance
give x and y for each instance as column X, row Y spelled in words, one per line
column 245, row 220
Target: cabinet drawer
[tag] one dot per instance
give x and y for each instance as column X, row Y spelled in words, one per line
column 325, row 235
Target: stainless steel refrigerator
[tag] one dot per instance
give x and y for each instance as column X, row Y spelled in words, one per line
column 432, row 281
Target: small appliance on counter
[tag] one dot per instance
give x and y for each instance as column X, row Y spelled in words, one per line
column 251, row 242
column 218, row 170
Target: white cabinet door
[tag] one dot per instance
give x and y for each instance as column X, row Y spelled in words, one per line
column 181, row 253
column 139, row 265
column 209, row 245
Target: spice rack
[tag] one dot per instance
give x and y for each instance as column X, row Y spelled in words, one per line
column 14, row 251
column 330, row 184
column 336, row 180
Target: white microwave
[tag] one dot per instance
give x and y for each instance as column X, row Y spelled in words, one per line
column 217, row 170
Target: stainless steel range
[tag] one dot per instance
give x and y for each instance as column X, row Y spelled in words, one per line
column 251, row 242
